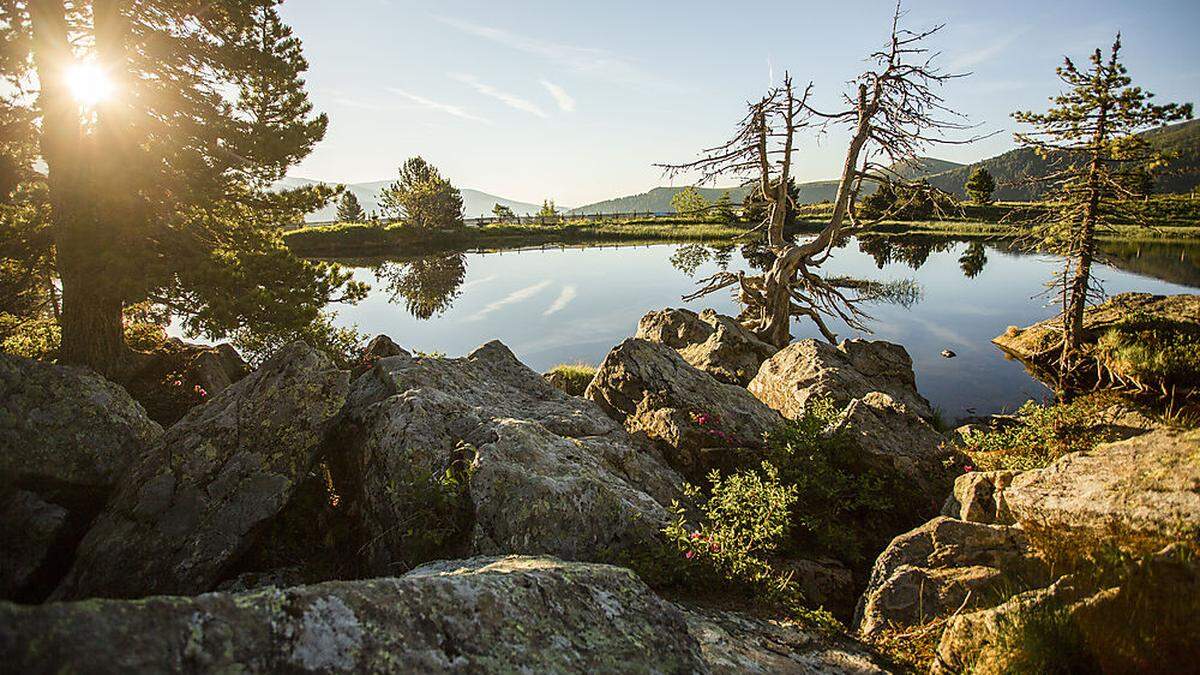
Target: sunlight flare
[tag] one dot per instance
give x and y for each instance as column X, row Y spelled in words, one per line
column 89, row 84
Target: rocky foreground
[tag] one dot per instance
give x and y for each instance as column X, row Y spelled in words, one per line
column 434, row 514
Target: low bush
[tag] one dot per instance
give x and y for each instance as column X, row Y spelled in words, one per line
column 572, row 378
column 1040, row 434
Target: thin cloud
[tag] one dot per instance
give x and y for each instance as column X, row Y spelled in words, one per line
column 519, row 295
column 986, row 52
column 564, row 100
column 596, row 62
column 447, row 108
column 510, row 100
column 564, row 298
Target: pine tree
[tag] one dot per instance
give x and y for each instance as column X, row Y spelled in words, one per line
column 160, row 191
column 688, row 202
column 503, row 212
column 350, row 210
column 422, row 197
column 548, row 209
column 980, row 185
column 1091, row 133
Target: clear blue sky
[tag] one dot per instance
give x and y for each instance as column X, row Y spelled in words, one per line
column 575, row 101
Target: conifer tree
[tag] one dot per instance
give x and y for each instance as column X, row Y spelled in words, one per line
column 159, row 191
column 980, row 185
column 1090, row 134
column 349, row 209
column 422, row 197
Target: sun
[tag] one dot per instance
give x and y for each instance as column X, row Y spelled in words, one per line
column 89, row 84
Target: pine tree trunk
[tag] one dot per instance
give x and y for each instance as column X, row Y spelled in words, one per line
column 92, row 330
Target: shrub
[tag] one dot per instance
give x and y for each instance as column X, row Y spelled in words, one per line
column 1151, row 353
column 572, row 378
column 1039, row 435
column 342, row 344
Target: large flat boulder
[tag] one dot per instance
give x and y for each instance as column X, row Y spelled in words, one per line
column 811, row 369
column 482, row 615
column 194, row 502
column 698, row 421
column 941, row 567
column 532, row 469
column 66, row 433
column 1146, row 489
column 714, row 343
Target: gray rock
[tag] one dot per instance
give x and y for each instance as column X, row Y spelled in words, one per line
column 735, row 643
column 714, row 343
column 539, row 471
column 659, row 395
column 977, row 497
column 812, row 369
column 940, row 567
column 31, row 530
column 380, row 347
column 896, row 440
column 196, row 499
column 1146, row 488
column 66, row 433
column 481, row 615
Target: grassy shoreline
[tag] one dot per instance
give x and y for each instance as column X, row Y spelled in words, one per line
column 1176, row 218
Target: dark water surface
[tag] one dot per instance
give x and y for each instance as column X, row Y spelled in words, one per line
column 569, row 305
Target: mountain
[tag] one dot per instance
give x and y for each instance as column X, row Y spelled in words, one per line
column 657, row 200
column 1182, row 173
column 476, row 204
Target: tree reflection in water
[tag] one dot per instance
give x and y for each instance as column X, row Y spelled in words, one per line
column 427, row 285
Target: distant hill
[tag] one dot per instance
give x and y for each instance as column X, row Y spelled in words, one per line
column 657, row 200
column 1182, row 174
column 476, row 204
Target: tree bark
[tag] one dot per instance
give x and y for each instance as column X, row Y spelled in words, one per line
column 92, row 331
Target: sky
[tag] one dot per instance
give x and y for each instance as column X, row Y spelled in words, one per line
column 576, row 101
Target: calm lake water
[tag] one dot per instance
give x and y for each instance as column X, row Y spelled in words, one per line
column 573, row 305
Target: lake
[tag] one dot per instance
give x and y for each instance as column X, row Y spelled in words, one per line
column 556, row 305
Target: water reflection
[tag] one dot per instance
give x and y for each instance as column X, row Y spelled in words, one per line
column 574, row 304
column 427, row 286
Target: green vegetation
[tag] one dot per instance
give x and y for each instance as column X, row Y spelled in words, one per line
column 501, row 212
column 349, row 210
column 164, row 197
column 1040, row 434
column 548, row 209
column 572, row 378
column 422, row 197
column 688, row 202
column 811, row 494
column 347, row 239
column 980, row 186
column 1150, row 354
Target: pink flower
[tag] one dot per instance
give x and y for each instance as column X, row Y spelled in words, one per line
column 701, row 419
column 177, row 383
column 968, row 468
column 695, row 535
column 689, row 555
column 714, row 547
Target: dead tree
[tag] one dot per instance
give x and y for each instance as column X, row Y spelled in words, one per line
column 893, row 111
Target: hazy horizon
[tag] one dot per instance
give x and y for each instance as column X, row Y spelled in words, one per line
column 575, row 103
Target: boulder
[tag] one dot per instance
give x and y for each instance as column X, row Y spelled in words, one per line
column 66, row 433
column 977, row 497
column 895, row 440
column 34, row 533
column 812, row 369
column 714, row 343
column 178, row 376
column 479, row 615
column 699, row 422
column 194, row 502
column 940, row 567
column 1144, row 489
column 735, row 643
column 380, row 347
column 674, row 327
column 502, row 461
